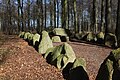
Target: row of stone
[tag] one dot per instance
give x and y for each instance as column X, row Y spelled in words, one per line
column 109, row 41
column 62, row 56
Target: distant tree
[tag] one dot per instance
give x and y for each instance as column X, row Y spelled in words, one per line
column 95, row 16
column 118, row 24
column 102, row 15
column 57, row 13
column 28, row 13
column 51, row 13
column 45, row 13
column 75, row 17
column 108, row 17
column 54, row 13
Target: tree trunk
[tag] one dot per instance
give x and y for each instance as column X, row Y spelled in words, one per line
column 102, row 16
column 22, row 18
column 18, row 15
column 118, row 24
column 57, row 13
column 42, row 18
column 68, row 13
column 95, row 15
column 54, row 13
column 45, row 14
column 38, row 29
column 108, row 17
column 63, row 13
column 75, row 17
column 28, row 11
column 51, row 16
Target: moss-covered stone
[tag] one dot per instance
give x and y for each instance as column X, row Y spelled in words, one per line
column 64, row 38
column 110, row 69
column 79, row 62
column 78, row 71
column 100, row 37
column 36, row 38
column 26, row 35
column 60, row 32
column 45, row 43
column 61, row 55
column 116, row 54
column 30, row 37
column 79, row 35
column 110, row 40
column 90, row 37
column 56, row 39
column 21, row 35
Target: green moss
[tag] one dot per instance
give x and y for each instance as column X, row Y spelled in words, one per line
column 56, row 39
column 100, row 35
column 45, row 43
column 62, row 54
column 36, row 38
column 116, row 54
column 60, row 32
column 91, row 37
column 21, row 35
column 79, row 62
column 110, row 40
column 26, row 35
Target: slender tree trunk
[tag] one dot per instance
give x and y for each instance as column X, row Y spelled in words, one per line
column 22, row 18
column 18, row 15
column 62, row 15
column 108, row 17
column 55, row 13
column 75, row 17
column 118, row 24
column 68, row 13
column 45, row 14
column 102, row 16
column 51, row 11
column 28, row 11
column 38, row 29
column 95, row 15
column 65, row 14
column 42, row 18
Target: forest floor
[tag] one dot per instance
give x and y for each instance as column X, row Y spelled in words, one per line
column 20, row 61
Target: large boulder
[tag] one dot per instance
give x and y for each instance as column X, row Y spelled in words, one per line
column 79, row 35
column 36, row 39
column 60, row 32
column 78, row 70
column 90, row 37
column 60, row 55
column 110, row 40
column 45, row 43
column 100, row 37
column 110, row 68
column 64, row 38
column 26, row 35
column 30, row 38
column 56, row 39
column 21, row 35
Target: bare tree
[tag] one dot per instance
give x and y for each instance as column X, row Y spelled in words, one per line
column 118, row 24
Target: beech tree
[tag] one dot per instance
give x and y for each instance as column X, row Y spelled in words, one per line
column 118, row 24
